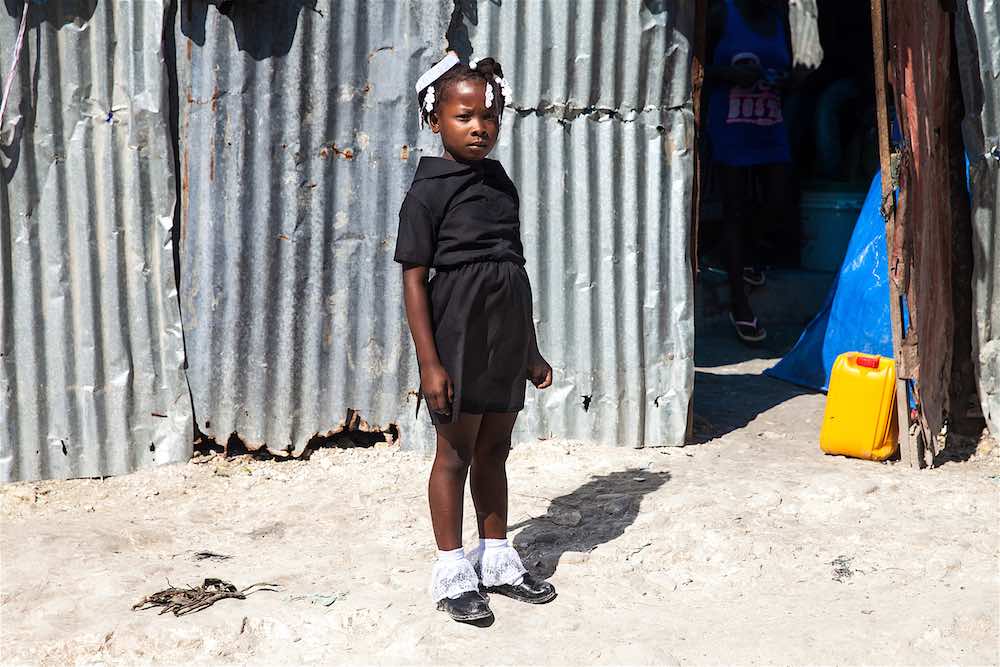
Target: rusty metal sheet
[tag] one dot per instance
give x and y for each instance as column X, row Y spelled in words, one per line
column 91, row 375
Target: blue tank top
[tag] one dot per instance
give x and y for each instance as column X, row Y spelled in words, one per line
column 746, row 125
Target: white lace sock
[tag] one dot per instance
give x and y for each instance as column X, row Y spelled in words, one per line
column 452, row 575
column 497, row 563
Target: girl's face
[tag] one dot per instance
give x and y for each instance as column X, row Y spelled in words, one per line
column 468, row 129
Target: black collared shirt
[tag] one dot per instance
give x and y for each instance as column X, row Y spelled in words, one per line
column 457, row 213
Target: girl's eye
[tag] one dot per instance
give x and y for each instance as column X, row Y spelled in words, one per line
column 464, row 116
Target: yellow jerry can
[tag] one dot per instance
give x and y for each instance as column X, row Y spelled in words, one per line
column 860, row 417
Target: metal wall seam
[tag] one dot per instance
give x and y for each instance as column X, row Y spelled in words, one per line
column 615, row 56
column 601, row 150
column 92, row 379
column 978, row 38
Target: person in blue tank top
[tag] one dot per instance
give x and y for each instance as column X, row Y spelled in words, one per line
column 750, row 61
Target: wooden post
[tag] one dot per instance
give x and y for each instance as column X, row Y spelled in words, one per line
column 909, row 446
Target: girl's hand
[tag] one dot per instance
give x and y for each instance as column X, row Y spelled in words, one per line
column 437, row 388
column 540, row 373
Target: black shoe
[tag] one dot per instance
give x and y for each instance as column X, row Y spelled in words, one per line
column 467, row 607
column 530, row 590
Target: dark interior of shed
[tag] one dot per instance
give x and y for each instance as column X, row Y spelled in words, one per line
column 828, row 109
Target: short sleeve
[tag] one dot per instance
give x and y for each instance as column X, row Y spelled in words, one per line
column 417, row 237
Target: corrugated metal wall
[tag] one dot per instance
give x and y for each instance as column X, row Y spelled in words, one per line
column 291, row 301
column 601, row 152
column 91, row 379
column 978, row 34
column 299, row 137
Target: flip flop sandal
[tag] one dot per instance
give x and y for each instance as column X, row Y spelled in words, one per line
column 749, row 332
column 754, row 277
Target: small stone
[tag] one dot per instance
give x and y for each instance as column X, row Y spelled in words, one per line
column 566, row 518
column 618, row 505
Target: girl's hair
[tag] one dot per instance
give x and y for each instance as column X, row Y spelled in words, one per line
column 486, row 70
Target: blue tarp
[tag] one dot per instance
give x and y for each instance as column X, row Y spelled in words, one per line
column 855, row 317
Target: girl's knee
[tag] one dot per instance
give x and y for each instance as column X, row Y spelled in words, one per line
column 493, row 452
column 452, row 460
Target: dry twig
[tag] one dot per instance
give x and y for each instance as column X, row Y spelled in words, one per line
column 182, row 601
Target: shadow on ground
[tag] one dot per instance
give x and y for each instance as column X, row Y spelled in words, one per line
column 725, row 403
column 716, row 344
column 730, row 389
column 594, row 514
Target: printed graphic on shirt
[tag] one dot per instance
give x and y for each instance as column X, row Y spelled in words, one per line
column 759, row 104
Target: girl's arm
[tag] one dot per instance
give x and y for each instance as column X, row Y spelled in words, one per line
column 539, row 370
column 435, row 385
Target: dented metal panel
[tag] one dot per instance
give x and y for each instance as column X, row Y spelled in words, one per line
column 601, row 152
column 299, row 137
column 91, row 379
column 978, row 34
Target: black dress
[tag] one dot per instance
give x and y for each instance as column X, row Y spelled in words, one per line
column 462, row 220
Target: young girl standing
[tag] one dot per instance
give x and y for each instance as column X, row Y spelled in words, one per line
column 472, row 328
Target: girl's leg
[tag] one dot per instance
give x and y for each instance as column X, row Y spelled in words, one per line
column 489, row 473
column 446, row 488
column 499, row 566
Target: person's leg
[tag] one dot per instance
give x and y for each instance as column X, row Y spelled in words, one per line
column 736, row 216
column 778, row 205
column 446, row 488
column 499, row 566
column 489, row 474
column 454, row 582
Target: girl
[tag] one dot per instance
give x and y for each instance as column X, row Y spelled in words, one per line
column 472, row 328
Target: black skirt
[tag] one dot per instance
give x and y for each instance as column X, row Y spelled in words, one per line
column 483, row 330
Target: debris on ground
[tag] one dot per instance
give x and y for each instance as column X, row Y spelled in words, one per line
column 842, row 568
column 183, row 601
column 321, row 599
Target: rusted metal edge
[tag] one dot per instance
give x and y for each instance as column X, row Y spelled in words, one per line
column 352, row 423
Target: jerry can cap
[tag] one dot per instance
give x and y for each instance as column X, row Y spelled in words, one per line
column 868, row 362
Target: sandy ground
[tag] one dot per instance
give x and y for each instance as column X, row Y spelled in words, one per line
column 749, row 548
